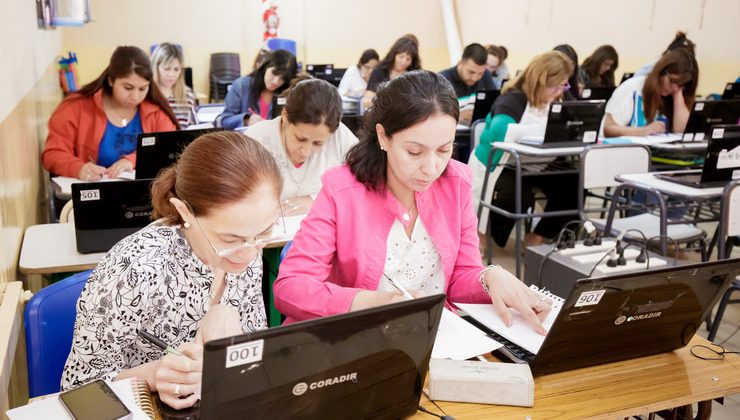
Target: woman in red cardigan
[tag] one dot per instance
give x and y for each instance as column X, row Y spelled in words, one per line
column 92, row 133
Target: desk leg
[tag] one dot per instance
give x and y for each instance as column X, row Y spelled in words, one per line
column 271, row 261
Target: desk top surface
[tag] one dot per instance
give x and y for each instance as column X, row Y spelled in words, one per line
column 667, row 187
column 538, row 151
column 615, row 390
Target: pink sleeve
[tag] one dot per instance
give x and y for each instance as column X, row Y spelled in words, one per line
column 303, row 289
column 465, row 285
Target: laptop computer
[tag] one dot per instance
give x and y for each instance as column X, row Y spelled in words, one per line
column 319, row 70
column 705, row 114
column 625, row 316
column 483, row 102
column 157, row 151
column 106, row 212
column 207, row 113
column 598, row 92
column 721, row 161
column 570, row 124
column 732, row 91
column 364, row 364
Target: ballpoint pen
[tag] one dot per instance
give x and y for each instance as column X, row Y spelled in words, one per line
column 399, row 287
column 159, row 343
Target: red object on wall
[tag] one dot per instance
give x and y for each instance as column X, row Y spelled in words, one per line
column 270, row 19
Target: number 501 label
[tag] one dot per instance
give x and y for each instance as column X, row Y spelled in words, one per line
column 590, row 298
column 240, row 354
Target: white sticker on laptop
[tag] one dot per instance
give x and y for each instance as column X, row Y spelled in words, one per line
column 698, row 136
column 688, row 136
column 556, row 108
column 589, row 298
column 481, row 96
column 729, row 158
column 148, row 141
column 282, row 100
column 89, row 195
column 589, row 136
column 586, row 93
column 699, row 106
column 736, row 174
column 718, row 133
column 241, row 354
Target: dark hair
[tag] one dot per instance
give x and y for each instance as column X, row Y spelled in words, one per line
column 680, row 41
column 217, row 168
column 496, row 51
column 678, row 62
column 399, row 104
column 283, row 64
column 592, row 65
column 575, row 79
column 402, row 45
column 367, row 55
column 475, row 52
column 125, row 61
column 314, row 101
column 412, row 38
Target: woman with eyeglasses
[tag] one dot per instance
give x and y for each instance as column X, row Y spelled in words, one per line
column 526, row 101
column 306, row 140
column 191, row 276
column 657, row 103
column 398, row 213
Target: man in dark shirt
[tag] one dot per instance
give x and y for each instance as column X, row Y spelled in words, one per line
column 470, row 75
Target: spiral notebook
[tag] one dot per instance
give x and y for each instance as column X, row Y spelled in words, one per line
column 519, row 333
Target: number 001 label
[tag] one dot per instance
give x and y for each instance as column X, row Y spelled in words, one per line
column 240, row 354
column 590, row 298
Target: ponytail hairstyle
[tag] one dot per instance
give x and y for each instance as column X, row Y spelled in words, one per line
column 217, row 168
column 399, row 104
column 125, row 61
column 679, row 64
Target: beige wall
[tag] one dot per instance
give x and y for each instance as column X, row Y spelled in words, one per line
column 338, row 30
column 30, row 90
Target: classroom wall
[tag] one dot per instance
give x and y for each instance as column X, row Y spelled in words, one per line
column 639, row 29
column 337, row 30
column 30, row 90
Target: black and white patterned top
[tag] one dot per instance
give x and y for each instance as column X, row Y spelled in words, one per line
column 153, row 281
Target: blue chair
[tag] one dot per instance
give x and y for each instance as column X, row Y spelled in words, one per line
column 50, row 319
column 284, row 252
column 282, row 44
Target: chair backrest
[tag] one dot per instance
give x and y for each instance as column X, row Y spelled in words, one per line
column 67, row 213
column 729, row 224
column 476, row 130
column 282, row 44
column 49, row 322
column 600, row 164
column 225, row 65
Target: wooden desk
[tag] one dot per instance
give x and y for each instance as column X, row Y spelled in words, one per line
column 615, row 390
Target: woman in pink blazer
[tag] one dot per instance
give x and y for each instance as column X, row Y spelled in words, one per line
column 400, row 212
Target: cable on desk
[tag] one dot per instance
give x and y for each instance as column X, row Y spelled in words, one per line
column 714, row 353
column 424, row 410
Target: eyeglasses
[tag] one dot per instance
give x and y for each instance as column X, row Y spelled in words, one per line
column 560, row 88
column 278, row 233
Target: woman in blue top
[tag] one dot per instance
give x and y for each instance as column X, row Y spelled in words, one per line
column 249, row 100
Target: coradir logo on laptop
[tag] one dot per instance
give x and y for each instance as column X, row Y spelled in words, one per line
column 301, row 387
column 640, row 317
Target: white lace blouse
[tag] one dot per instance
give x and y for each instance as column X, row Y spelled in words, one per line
column 150, row 281
column 414, row 263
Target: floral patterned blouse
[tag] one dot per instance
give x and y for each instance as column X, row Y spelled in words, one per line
column 152, row 281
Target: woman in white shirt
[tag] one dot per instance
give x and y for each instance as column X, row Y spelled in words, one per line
column 354, row 81
column 306, row 139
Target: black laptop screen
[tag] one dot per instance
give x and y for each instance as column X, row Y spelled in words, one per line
column 722, row 161
column 157, row 151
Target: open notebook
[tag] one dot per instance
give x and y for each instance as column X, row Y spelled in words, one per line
column 519, row 333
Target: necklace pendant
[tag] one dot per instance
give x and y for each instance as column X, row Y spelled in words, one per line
column 124, row 122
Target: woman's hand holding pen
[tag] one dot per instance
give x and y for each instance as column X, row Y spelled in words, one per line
column 90, row 171
column 178, row 376
column 507, row 291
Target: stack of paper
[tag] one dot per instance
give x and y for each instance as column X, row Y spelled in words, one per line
column 458, row 339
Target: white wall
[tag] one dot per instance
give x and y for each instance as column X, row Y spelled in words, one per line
column 26, row 52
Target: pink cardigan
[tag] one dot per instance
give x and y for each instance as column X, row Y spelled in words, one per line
column 340, row 248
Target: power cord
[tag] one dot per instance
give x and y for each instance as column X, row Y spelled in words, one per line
column 675, row 244
column 443, row 417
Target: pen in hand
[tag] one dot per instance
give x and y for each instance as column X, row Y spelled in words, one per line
column 398, row 287
column 159, row 343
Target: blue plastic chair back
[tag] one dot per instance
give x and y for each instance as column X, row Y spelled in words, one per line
column 284, row 252
column 50, row 319
column 282, row 44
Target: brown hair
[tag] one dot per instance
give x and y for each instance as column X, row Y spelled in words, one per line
column 402, row 45
column 543, row 71
column 125, row 61
column 400, row 103
column 217, row 168
column 677, row 62
column 592, row 65
column 314, row 101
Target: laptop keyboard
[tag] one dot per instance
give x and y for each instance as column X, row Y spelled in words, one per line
column 510, row 351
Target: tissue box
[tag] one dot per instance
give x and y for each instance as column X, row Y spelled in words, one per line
column 481, row 382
